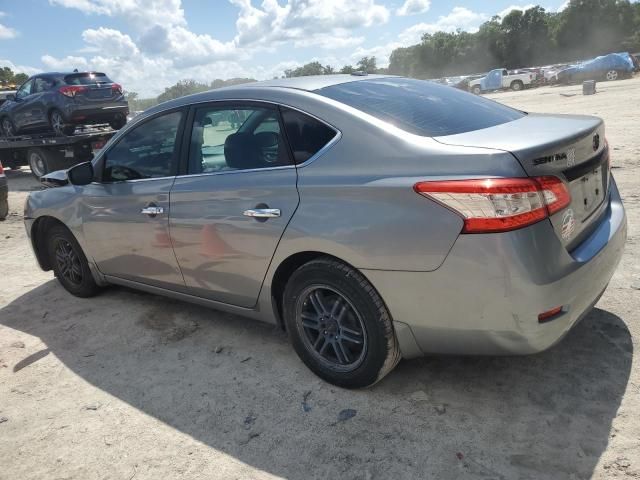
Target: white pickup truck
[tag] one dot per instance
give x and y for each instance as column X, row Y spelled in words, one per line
column 499, row 79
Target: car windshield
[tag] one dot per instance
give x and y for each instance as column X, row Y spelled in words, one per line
column 88, row 78
column 421, row 107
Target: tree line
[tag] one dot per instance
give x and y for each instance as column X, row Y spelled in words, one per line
column 584, row 29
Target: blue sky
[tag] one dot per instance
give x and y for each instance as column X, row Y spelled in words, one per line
column 150, row 44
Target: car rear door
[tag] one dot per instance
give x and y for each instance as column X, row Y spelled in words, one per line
column 126, row 214
column 231, row 206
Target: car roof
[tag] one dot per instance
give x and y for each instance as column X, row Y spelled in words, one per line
column 300, row 84
column 310, row 83
column 64, row 74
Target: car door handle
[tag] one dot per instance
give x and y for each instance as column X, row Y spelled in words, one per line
column 152, row 210
column 262, row 212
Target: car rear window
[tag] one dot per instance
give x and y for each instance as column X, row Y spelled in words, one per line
column 88, row 78
column 421, row 107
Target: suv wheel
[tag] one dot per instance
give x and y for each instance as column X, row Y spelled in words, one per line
column 7, row 127
column 339, row 325
column 69, row 263
column 516, row 85
column 118, row 122
column 59, row 125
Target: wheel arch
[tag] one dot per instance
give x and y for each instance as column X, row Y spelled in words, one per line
column 38, row 235
column 289, row 265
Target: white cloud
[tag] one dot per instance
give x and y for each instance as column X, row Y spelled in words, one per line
column 7, row 32
column 564, row 5
column 324, row 23
column 140, row 13
column 413, row 7
column 508, row 10
column 109, row 40
column 19, row 68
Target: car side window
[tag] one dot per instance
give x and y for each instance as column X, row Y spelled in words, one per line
column 41, row 85
column 147, row 151
column 24, row 90
column 306, row 135
column 226, row 138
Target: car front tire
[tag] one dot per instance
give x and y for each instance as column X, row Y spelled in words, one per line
column 339, row 325
column 69, row 263
column 7, row 128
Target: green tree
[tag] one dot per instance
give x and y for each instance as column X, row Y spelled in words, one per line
column 367, row 64
column 347, row 69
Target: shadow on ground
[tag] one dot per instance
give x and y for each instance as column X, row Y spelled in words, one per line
column 236, row 386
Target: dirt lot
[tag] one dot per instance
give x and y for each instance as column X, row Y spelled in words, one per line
column 129, row 385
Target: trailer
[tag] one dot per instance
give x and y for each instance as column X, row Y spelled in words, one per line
column 48, row 152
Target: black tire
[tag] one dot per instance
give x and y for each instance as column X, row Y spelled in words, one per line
column 476, row 90
column 118, row 123
column 365, row 363
column 517, row 85
column 4, row 207
column 7, row 127
column 40, row 162
column 72, row 272
column 59, row 125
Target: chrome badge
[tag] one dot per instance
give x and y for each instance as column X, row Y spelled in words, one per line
column 568, row 223
column 571, row 157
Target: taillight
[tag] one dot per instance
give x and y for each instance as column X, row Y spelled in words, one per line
column 117, row 88
column 1, row 170
column 72, row 90
column 499, row 204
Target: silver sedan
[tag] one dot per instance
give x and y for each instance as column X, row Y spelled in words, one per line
column 372, row 217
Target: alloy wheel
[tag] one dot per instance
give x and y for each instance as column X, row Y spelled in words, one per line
column 68, row 262
column 612, row 75
column 332, row 329
column 7, row 127
column 57, row 122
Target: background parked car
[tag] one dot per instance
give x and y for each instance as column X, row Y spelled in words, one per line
column 499, row 79
column 613, row 66
column 60, row 101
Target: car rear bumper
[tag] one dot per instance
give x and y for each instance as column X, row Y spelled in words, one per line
column 95, row 113
column 488, row 293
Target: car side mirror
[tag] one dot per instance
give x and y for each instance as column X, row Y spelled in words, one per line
column 11, row 97
column 81, row 174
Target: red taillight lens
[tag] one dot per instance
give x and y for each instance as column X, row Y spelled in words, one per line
column 117, row 88
column 499, row 204
column 72, row 90
column 1, row 170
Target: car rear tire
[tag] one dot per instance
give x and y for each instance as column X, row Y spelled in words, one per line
column 7, row 128
column 69, row 263
column 118, row 123
column 339, row 325
column 40, row 162
column 476, row 90
column 59, row 125
column 517, row 85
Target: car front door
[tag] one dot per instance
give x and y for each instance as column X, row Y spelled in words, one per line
column 40, row 91
column 126, row 213
column 21, row 111
column 230, row 208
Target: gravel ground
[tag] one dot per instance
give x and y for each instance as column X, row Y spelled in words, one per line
column 130, row 385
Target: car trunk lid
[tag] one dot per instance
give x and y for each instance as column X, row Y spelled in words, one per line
column 570, row 147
